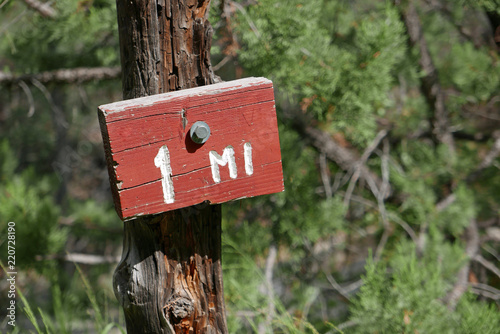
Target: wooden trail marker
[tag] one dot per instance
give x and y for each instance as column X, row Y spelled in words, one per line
column 156, row 166
column 169, row 279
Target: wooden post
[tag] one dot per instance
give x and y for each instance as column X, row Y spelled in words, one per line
column 170, row 278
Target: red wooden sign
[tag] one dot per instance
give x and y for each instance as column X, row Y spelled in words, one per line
column 160, row 160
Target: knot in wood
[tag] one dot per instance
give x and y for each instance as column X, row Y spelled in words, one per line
column 180, row 307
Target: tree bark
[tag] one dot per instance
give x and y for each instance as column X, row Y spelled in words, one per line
column 169, row 279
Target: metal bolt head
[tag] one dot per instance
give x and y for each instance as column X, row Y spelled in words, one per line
column 200, row 132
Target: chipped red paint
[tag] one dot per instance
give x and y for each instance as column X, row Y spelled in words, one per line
column 238, row 112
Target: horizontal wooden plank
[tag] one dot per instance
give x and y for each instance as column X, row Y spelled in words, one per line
column 158, row 127
column 144, row 106
column 139, row 158
column 242, row 119
column 148, row 198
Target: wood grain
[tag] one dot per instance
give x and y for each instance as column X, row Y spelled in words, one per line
column 237, row 112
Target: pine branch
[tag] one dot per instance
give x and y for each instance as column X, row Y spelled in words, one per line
column 479, row 31
column 431, row 88
column 492, row 233
column 73, row 75
column 322, row 141
column 485, row 291
column 445, row 202
column 487, row 264
column 472, row 248
column 43, row 8
column 487, row 161
column 336, row 286
column 361, row 163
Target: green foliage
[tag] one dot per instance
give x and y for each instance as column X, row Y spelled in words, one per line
column 405, row 294
column 417, row 184
column 84, row 34
column 49, row 150
column 488, row 5
column 478, row 80
column 30, row 314
column 339, row 75
column 295, row 217
column 102, row 323
column 411, row 117
column 476, row 317
column 28, row 203
column 242, row 278
column 458, row 215
column 347, row 66
column 299, row 213
column 66, row 312
column 245, row 289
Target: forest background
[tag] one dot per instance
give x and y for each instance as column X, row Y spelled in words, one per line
column 390, row 134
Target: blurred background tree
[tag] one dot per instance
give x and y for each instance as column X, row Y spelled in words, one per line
column 389, row 125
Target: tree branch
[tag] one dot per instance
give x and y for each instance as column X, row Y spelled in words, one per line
column 471, row 249
column 265, row 326
column 73, row 75
column 43, row 8
column 325, row 175
column 472, row 176
column 324, row 143
column 27, row 91
column 487, row 264
column 336, row 286
column 430, row 80
column 475, row 28
column 485, row 291
column 488, row 159
column 81, row 258
column 361, row 163
column 380, row 201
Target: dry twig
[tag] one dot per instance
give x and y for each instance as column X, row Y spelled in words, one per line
column 472, row 247
column 325, row 175
column 485, row 291
column 73, row 75
column 487, row 264
column 345, row 158
column 42, row 7
column 265, row 326
column 381, row 201
column 31, row 101
column 361, row 163
column 89, row 259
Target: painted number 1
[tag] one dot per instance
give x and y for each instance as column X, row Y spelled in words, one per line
column 162, row 161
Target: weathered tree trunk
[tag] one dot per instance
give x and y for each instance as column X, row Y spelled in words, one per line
column 170, row 277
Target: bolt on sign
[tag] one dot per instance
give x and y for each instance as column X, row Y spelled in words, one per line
column 212, row 143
